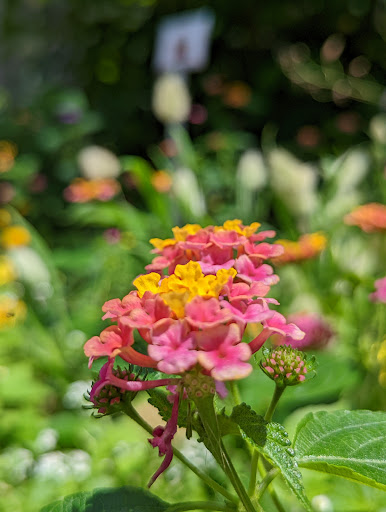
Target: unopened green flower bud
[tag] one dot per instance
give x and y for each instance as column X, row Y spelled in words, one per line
column 198, row 385
column 286, row 365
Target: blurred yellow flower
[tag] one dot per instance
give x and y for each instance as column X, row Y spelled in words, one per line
column 15, row 236
column 12, row 311
column 5, row 218
column 8, row 151
column 7, row 272
column 308, row 246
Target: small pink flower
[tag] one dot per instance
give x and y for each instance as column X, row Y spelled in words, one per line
column 115, row 308
column 276, row 324
column 240, row 291
column 249, row 273
column 113, row 342
column 380, row 294
column 317, row 332
column 262, row 235
column 222, row 354
column 227, row 239
column 108, row 343
column 262, row 251
column 173, row 347
column 244, row 312
column 203, row 314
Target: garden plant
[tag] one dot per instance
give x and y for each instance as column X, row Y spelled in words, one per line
column 194, row 326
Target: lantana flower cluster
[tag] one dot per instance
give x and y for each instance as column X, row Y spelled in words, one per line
column 203, row 287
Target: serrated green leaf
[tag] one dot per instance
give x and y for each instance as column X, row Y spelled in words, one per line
column 351, row 444
column 128, row 499
column 227, row 425
column 252, row 424
column 271, row 440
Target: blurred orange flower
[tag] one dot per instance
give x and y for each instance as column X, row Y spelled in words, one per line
column 161, row 181
column 82, row 191
column 237, row 94
column 369, row 217
column 308, row 246
column 8, row 151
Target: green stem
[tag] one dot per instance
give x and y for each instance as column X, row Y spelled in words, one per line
column 132, row 413
column 215, row 445
column 199, row 505
column 252, row 478
column 272, row 406
column 264, row 472
column 266, row 481
column 235, row 392
column 279, row 390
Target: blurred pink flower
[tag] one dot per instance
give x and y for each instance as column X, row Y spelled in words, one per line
column 318, row 332
column 380, row 294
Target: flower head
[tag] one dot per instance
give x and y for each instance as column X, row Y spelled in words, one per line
column 187, row 318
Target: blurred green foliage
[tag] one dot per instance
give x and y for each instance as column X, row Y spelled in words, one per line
column 305, row 76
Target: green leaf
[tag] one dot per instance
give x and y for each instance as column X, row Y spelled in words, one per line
column 227, row 425
column 127, row 499
column 350, row 444
column 253, row 425
column 271, row 440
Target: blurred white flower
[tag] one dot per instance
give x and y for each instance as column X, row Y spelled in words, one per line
column 46, row 440
column 73, row 398
column 18, row 462
column 80, row 464
column 251, row 170
column 96, row 162
column 350, row 170
column 353, row 254
column 52, row 466
column 293, row 181
column 377, row 128
column 30, row 266
column 188, row 192
column 339, row 205
column 322, row 503
column 171, row 99
column 61, row 467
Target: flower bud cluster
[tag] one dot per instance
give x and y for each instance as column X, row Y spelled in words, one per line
column 286, row 365
column 108, row 398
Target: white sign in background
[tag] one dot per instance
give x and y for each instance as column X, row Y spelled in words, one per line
column 182, row 42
